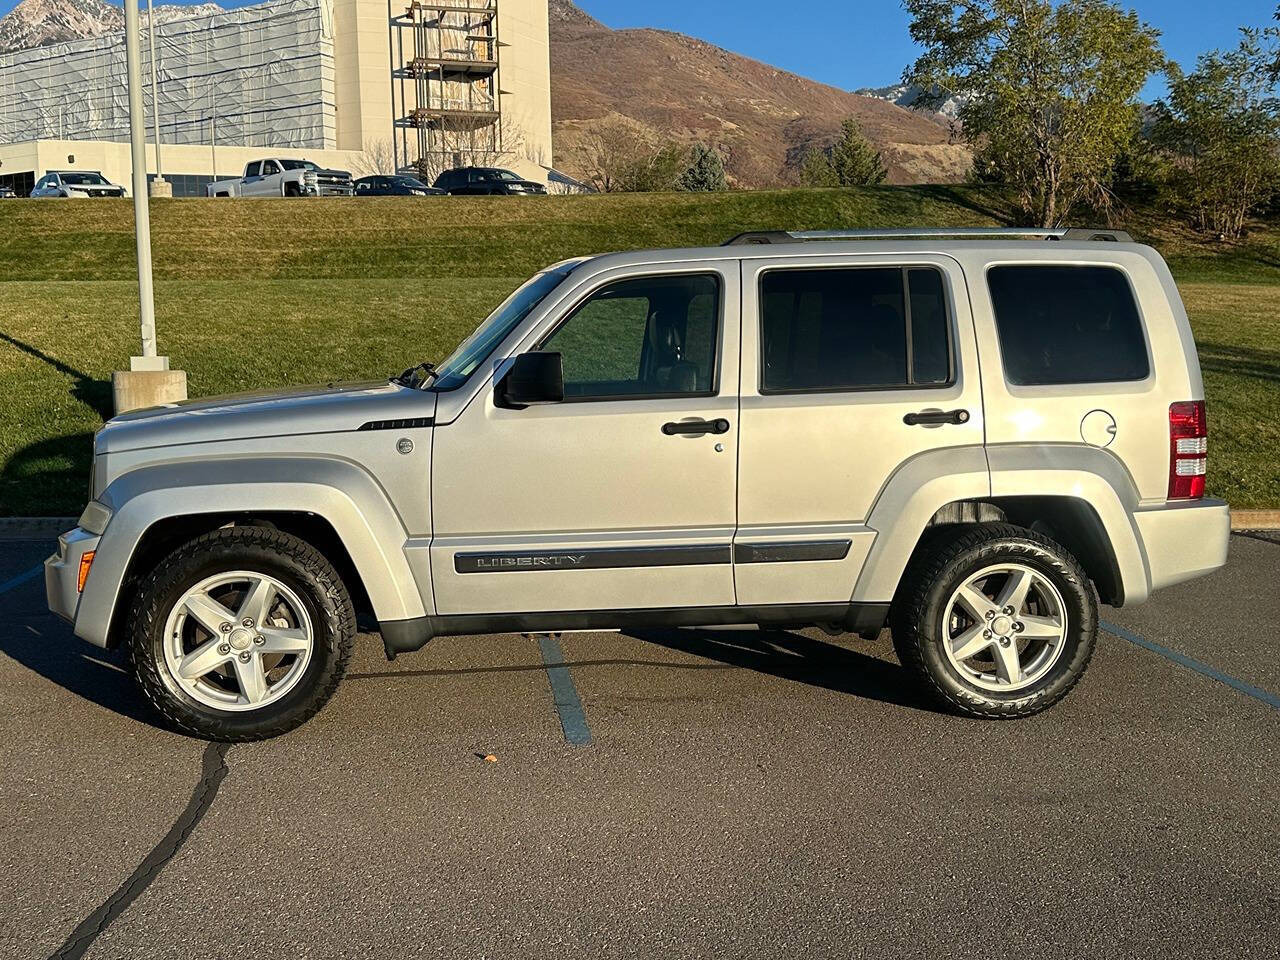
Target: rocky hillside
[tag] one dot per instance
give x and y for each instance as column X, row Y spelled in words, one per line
column 35, row 23
column 763, row 119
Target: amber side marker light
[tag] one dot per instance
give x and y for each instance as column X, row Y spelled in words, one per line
column 86, row 561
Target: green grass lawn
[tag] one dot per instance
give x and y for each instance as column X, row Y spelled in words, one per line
column 267, row 292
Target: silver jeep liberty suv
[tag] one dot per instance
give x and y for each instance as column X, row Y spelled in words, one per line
column 969, row 436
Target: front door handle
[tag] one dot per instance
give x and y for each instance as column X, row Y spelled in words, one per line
column 689, row 428
column 936, row 417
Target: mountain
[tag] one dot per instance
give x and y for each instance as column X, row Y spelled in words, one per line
column 36, row 23
column 908, row 95
column 761, row 118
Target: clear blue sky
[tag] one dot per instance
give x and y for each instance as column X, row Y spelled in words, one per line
column 864, row 43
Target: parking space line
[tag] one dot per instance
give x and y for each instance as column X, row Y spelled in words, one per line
column 1270, row 699
column 565, row 695
column 21, row 578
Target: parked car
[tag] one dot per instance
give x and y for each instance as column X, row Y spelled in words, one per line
column 487, row 180
column 964, row 438
column 280, row 177
column 76, row 183
column 394, row 186
column 6, row 192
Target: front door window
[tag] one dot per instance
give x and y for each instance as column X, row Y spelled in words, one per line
column 644, row 338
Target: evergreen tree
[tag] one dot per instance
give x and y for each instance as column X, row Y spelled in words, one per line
column 851, row 162
column 705, row 173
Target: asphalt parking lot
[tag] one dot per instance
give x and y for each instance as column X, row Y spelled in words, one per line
column 683, row 794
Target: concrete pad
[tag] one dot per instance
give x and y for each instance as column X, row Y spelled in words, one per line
column 138, row 389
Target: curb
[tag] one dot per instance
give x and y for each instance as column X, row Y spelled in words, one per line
column 1255, row 519
column 34, row 528
column 48, row 528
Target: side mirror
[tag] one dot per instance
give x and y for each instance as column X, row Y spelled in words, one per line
column 533, row 378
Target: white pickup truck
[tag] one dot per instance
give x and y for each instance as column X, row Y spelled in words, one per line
column 278, row 177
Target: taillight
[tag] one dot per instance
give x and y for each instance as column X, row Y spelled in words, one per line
column 1188, row 446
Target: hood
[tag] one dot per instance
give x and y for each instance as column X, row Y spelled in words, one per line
column 331, row 408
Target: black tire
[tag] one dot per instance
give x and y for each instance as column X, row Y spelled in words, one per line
column 939, row 569
column 291, row 190
column 286, row 558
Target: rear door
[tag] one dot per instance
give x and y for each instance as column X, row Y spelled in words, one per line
column 851, row 366
column 622, row 496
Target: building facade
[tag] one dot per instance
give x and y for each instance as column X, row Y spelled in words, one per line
column 364, row 85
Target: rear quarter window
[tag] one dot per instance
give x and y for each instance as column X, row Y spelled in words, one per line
column 1067, row 324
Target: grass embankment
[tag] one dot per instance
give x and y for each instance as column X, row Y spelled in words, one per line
column 268, row 292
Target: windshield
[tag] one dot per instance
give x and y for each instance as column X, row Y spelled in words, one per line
column 496, row 174
column 408, row 182
column 298, row 165
column 474, row 350
column 84, row 179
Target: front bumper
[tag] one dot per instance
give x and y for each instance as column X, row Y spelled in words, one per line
column 1183, row 540
column 62, row 570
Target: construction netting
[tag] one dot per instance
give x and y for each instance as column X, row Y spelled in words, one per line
column 261, row 76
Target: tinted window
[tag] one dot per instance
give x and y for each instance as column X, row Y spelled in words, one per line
column 648, row 337
column 1060, row 324
column 252, row 169
column 853, row 329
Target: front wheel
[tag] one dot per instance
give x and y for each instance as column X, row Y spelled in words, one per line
column 241, row 634
column 998, row 621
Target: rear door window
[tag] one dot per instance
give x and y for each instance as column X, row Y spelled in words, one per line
column 1067, row 324
column 862, row 328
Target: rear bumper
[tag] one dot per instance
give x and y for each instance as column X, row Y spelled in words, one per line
column 62, row 570
column 1184, row 540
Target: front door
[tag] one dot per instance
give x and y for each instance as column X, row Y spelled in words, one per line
column 851, row 367
column 622, row 496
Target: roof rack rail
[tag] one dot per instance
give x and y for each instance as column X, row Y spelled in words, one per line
column 931, row 233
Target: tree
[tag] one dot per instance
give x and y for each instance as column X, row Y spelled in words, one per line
column 1048, row 91
column 705, row 172
column 617, row 155
column 851, row 162
column 377, row 159
column 1220, row 129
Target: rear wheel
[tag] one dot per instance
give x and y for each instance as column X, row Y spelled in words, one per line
column 241, row 634
column 998, row 621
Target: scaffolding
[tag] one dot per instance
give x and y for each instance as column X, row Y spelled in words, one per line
column 445, row 85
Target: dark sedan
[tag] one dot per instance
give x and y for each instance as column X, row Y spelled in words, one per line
column 396, row 186
column 487, row 181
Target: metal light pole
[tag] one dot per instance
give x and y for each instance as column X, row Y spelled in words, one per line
column 148, row 381
column 159, row 187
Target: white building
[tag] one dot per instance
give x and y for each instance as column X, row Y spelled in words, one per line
column 362, row 85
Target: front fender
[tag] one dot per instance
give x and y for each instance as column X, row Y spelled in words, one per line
column 339, row 491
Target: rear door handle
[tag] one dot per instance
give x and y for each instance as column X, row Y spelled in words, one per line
column 687, row 428
column 936, row 417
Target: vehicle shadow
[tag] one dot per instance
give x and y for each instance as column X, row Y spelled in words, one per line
column 47, row 477
column 794, row 656
column 44, row 645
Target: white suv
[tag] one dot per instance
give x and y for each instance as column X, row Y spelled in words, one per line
column 966, row 435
